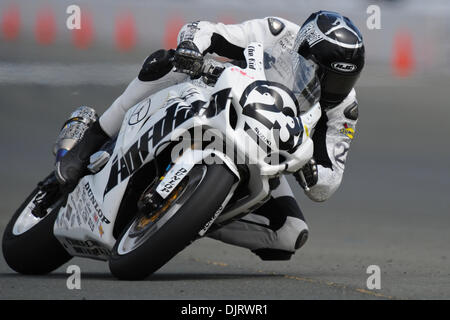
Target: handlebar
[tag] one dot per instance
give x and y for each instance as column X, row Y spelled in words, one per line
column 211, row 70
column 295, row 161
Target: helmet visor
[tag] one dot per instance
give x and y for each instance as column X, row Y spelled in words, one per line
column 296, row 73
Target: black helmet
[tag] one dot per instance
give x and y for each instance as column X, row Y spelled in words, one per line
column 336, row 45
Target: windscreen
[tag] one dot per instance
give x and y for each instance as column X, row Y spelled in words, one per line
column 295, row 72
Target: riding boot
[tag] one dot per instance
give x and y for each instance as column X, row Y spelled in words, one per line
column 73, row 165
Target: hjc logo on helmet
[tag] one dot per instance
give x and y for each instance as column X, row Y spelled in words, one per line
column 344, row 66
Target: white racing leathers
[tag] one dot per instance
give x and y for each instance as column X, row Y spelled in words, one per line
column 278, row 226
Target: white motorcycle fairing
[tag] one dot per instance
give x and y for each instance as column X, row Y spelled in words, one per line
column 243, row 106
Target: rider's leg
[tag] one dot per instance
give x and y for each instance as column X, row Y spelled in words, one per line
column 156, row 74
column 73, row 165
column 274, row 231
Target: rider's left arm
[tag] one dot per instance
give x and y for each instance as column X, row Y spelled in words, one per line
column 332, row 138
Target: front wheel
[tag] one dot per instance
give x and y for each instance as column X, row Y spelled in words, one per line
column 29, row 246
column 152, row 239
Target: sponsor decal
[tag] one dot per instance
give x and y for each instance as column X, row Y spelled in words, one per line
column 124, row 166
column 95, row 205
column 309, row 33
column 165, row 188
column 251, row 58
column 87, row 248
column 262, row 136
column 346, row 130
column 306, row 130
column 210, row 222
column 140, row 113
column 98, row 252
column 100, row 230
column 287, row 40
column 284, row 111
column 190, row 31
column 343, row 66
column 85, row 244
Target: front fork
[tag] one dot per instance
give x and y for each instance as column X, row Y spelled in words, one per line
column 175, row 173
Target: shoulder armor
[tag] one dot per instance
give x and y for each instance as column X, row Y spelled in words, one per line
column 275, row 26
column 351, row 112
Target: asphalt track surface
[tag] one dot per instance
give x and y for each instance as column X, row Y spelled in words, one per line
column 392, row 209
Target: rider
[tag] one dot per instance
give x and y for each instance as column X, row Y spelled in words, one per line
column 277, row 229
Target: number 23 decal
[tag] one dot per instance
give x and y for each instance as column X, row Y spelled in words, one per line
column 286, row 126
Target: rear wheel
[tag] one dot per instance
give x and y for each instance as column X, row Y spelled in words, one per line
column 153, row 238
column 29, row 246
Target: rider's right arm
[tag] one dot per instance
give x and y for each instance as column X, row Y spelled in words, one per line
column 154, row 75
column 137, row 90
column 230, row 40
column 225, row 40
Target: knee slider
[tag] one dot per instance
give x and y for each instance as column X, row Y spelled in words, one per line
column 157, row 65
column 268, row 254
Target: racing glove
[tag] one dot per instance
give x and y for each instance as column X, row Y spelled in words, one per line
column 307, row 176
column 188, row 59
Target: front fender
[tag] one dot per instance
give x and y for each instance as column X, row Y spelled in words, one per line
column 186, row 162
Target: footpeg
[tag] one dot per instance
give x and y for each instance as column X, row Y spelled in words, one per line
column 98, row 161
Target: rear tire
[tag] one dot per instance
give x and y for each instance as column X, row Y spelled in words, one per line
column 36, row 250
column 178, row 232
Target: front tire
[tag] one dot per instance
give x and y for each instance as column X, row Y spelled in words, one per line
column 177, row 232
column 29, row 246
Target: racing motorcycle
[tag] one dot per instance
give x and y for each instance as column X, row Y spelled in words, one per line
column 187, row 160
